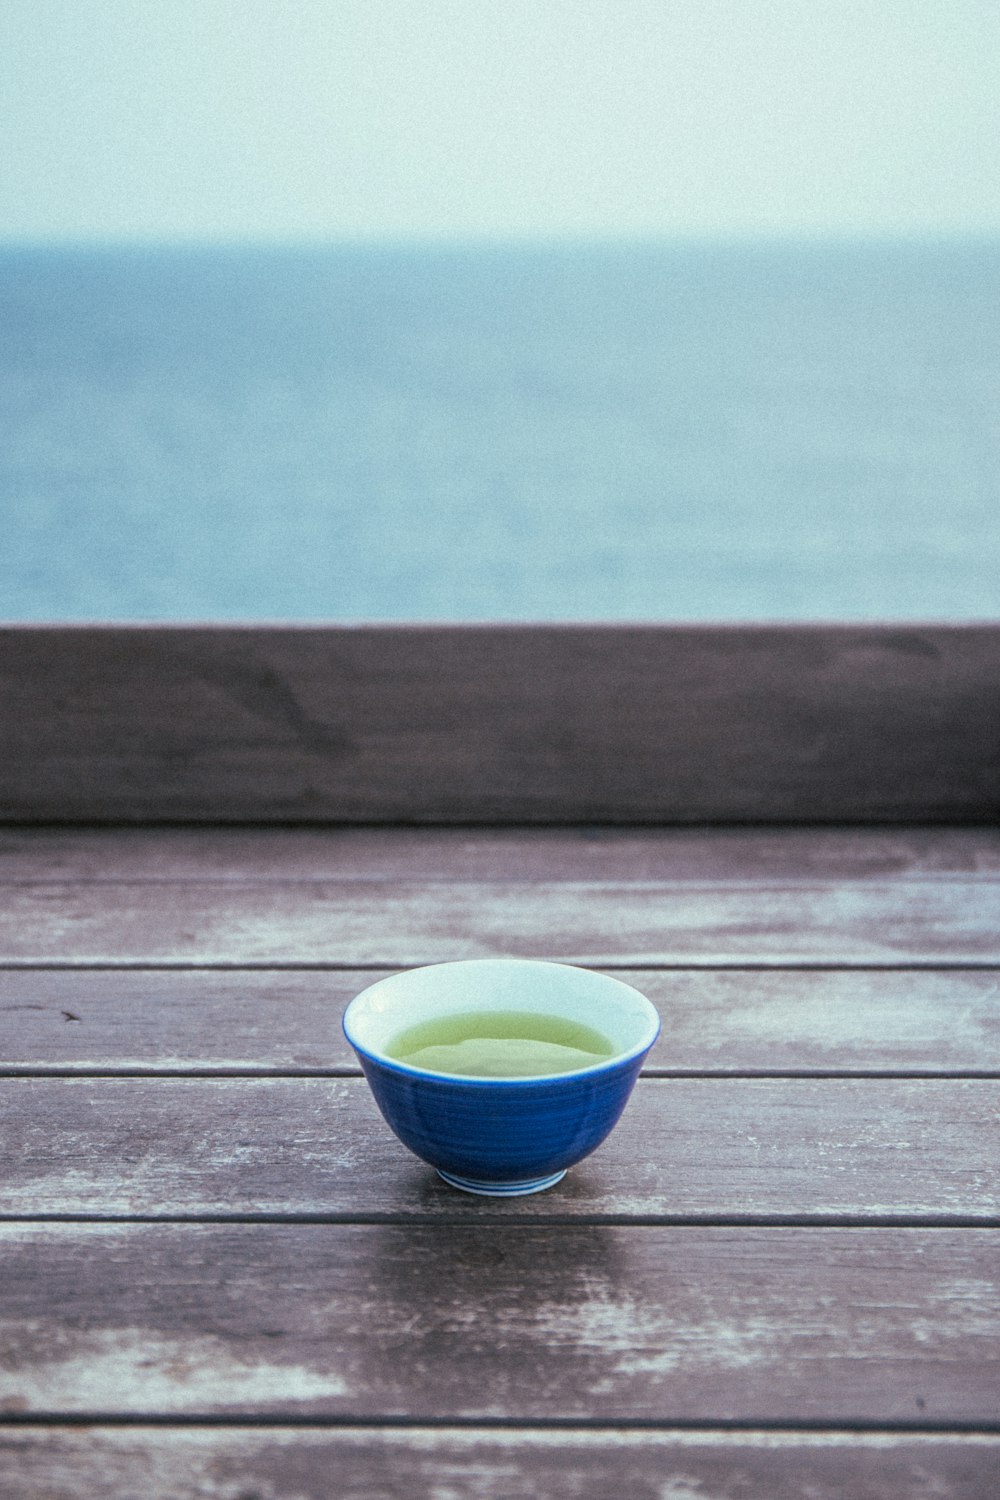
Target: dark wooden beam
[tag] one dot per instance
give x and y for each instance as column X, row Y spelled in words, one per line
column 500, row 723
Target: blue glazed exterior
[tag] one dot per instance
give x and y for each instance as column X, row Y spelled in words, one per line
column 501, row 1130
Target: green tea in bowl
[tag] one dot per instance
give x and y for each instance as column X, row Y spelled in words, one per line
column 500, row 1044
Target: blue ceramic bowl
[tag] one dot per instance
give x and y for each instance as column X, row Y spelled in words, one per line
column 501, row 1136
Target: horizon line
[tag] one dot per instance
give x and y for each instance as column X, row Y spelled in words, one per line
column 513, row 240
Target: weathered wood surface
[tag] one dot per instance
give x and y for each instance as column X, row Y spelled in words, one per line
column 717, row 1149
column 397, row 897
column 664, row 1325
column 726, row 1022
column 500, row 723
column 412, row 922
column 237, row 1463
column 610, row 855
column 745, row 1249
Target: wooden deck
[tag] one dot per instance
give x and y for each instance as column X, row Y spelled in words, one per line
column 221, row 1276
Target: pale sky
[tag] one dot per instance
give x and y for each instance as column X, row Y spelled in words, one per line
column 372, row 119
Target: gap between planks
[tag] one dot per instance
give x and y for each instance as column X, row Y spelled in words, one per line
column 320, row 966
column 487, row 1219
column 706, row 1075
column 706, row 1427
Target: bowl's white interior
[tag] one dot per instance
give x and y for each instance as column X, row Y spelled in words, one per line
column 376, row 1016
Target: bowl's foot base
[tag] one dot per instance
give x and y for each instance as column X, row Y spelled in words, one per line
column 502, row 1189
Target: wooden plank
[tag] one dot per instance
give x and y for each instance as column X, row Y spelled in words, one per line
column 59, row 1463
column 751, row 1149
column 358, row 924
column 593, row 1323
column 499, row 723
column 781, row 856
column 720, row 1021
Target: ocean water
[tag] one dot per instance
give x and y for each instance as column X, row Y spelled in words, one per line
column 523, row 433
